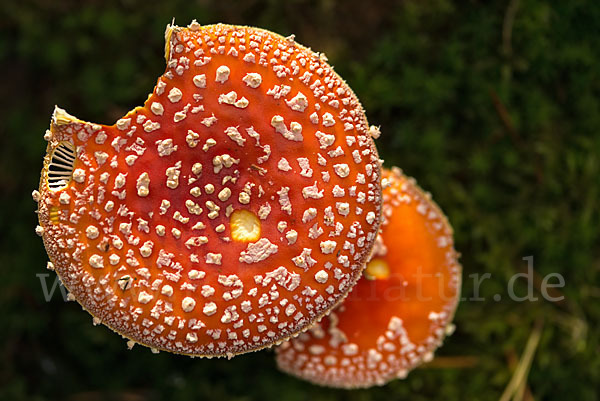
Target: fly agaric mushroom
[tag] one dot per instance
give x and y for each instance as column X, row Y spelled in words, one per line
column 233, row 210
column 399, row 313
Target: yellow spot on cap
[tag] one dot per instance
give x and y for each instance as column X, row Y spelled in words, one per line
column 245, row 226
column 377, row 269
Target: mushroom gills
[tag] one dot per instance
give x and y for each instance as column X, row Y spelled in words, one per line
column 54, row 214
column 60, row 169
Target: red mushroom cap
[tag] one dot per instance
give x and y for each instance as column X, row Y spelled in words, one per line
column 393, row 320
column 233, row 210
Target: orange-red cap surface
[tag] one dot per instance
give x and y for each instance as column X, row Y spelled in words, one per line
column 231, row 211
column 393, row 320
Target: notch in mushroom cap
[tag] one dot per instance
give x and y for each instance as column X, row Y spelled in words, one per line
column 233, row 210
column 398, row 315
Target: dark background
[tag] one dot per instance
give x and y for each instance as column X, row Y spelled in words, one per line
column 494, row 106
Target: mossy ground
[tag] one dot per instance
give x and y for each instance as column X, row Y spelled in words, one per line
column 494, row 106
